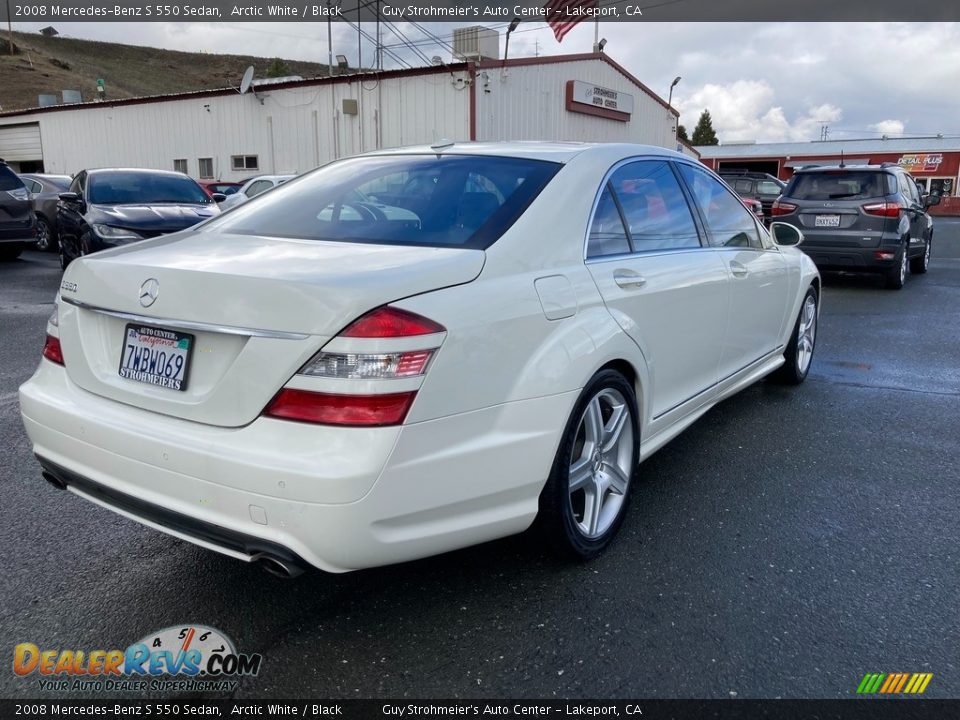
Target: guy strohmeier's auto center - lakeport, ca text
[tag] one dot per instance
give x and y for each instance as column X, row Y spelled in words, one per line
column 294, row 10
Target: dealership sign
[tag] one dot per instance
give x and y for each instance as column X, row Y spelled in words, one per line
column 929, row 162
column 584, row 97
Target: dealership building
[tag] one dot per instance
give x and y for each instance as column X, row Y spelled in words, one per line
column 291, row 125
column 933, row 161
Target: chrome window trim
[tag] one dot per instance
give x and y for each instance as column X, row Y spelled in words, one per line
column 640, row 253
column 188, row 324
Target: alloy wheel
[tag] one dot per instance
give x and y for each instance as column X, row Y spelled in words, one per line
column 600, row 464
column 43, row 235
column 903, row 266
column 806, row 334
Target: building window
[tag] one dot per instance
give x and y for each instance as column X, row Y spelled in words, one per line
column 244, row 162
column 180, row 166
column 206, row 167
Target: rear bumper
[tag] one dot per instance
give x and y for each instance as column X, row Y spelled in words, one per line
column 855, row 252
column 441, row 485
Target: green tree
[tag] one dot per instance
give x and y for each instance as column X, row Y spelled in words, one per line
column 278, row 68
column 703, row 133
column 682, row 133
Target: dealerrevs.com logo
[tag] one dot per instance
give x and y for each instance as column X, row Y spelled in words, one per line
column 181, row 658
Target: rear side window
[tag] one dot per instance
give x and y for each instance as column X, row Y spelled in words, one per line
column 607, row 234
column 768, row 187
column 9, row 179
column 841, row 185
column 451, row 200
column 743, row 186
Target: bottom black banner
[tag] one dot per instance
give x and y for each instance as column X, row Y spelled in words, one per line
column 874, row 709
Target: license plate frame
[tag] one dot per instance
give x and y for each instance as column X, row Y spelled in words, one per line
column 828, row 221
column 166, row 338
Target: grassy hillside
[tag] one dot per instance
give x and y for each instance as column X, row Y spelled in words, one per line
column 49, row 65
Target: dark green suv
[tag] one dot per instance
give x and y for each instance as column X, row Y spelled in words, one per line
column 758, row 186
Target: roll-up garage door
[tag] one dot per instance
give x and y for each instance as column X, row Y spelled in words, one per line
column 20, row 143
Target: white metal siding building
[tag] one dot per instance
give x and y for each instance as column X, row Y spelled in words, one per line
column 295, row 126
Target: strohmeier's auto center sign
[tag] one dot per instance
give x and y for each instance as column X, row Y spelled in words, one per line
column 929, row 162
column 584, row 97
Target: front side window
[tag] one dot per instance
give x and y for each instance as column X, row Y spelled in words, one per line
column 654, row 208
column 258, row 187
column 32, row 185
column 144, row 188
column 451, row 200
column 729, row 223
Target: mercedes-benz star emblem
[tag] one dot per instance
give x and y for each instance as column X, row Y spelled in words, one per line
column 149, row 291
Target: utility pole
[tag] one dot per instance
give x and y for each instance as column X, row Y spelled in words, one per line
column 824, row 132
column 9, row 28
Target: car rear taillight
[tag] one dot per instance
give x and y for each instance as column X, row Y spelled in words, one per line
column 364, row 358
column 780, row 207
column 884, row 209
column 390, row 322
column 329, row 409
column 52, row 350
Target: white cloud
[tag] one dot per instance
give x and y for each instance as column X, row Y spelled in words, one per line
column 888, row 127
column 747, row 110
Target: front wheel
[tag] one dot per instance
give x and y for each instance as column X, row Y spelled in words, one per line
column 586, row 496
column 45, row 237
column 799, row 353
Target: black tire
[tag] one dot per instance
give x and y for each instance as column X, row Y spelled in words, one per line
column 7, row 254
column 558, row 519
column 919, row 265
column 796, row 366
column 46, row 237
column 896, row 277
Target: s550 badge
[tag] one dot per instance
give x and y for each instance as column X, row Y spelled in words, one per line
column 67, row 285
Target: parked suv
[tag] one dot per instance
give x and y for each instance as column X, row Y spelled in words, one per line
column 18, row 226
column 755, row 186
column 861, row 218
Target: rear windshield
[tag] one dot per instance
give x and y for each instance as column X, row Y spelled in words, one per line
column 451, row 200
column 142, row 188
column 9, row 179
column 840, row 185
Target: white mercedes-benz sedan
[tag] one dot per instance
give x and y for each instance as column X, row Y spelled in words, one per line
column 412, row 351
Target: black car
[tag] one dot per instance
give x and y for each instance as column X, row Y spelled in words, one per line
column 45, row 191
column 756, row 186
column 18, row 226
column 107, row 208
column 861, row 218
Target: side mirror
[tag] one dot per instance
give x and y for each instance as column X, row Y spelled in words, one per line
column 931, row 200
column 73, row 199
column 219, row 197
column 786, row 234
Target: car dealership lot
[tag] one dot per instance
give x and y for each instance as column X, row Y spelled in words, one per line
column 786, row 544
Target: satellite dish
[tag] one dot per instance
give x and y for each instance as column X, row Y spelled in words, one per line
column 247, row 79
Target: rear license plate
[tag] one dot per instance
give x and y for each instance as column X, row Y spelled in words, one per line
column 156, row 356
column 827, row 221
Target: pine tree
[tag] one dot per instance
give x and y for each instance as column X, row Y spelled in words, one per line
column 277, row 68
column 682, row 133
column 703, row 133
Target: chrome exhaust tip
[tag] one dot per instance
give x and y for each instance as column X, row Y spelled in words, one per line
column 54, row 480
column 277, row 566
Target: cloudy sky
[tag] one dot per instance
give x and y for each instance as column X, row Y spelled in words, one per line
column 760, row 81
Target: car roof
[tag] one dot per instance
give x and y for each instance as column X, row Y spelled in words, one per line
column 560, row 152
column 841, row 168
column 98, row 171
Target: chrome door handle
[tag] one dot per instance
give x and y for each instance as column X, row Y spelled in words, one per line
column 738, row 270
column 629, row 279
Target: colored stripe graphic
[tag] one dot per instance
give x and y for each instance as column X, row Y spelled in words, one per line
column 894, row 683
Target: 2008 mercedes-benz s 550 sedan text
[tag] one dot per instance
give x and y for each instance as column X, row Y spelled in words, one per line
column 412, row 351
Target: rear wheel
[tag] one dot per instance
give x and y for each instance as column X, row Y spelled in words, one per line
column 897, row 275
column 920, row 264
column 586, row 496
column 45, row 237
column 799, row 352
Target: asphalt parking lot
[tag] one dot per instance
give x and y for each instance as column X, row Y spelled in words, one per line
column 788, row 543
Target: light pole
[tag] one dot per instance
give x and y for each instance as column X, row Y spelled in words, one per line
column 676, row 125
column 9, row 28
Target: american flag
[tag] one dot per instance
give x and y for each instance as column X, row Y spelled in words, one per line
column 560, row 21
